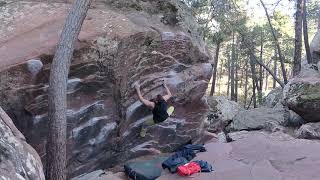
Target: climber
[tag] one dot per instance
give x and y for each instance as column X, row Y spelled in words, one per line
column 159, row 107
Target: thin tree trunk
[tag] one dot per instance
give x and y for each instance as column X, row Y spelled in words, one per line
column 241, row 78
column 251, row 52
column 260, row 74
column 305, row 32
column 275, row 68
column 232, row 72
column 214, row 72
column 261, row 59
column 250, row 102
column 56, row 143
column 246, row 84
column 236, row 75
column 267, row 81
column 254, row 93
column 220, row 75
column 318, row 20
column 298, row 39
column 277, row 45
column 236, row 83
column 254, row 79
column 229, row 73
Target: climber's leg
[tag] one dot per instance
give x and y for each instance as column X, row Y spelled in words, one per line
column 144, row 126
column 170, row 110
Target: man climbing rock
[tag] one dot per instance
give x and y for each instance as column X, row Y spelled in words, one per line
column 159, row 107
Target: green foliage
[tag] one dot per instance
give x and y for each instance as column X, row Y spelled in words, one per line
column 219, row 19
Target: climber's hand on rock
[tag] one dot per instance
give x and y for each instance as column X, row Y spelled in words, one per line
column 163, row 83
column 137, row 86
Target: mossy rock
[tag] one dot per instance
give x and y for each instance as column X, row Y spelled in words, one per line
column 303, row 97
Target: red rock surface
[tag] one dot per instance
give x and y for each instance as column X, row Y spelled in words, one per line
column 35, row 29
column 260, row 156
column 116, row 48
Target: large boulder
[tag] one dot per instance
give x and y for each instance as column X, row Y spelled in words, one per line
column 309, row 131
column 302, row 93
column 221, row 112
column 18, row 160
column 259, row 118
column 315, row 49
column 144, row 42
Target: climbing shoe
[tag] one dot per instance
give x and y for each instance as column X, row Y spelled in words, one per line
column 143, row 132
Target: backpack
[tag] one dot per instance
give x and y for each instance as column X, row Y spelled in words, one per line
column 205, row 166
column 173, row 163
column 188, row 169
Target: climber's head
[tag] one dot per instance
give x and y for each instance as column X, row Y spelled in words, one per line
column 158, row 98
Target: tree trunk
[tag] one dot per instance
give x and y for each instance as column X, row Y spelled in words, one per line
column 298, row 39
column 236, row 78
column 277, row 45
column 246, row 84
column 254, row 80
column 232, row 72
column 251, row 52
column 220, row 75
column 318, row 21
column 241, row 77
column 318, row 18
column 254, row 97
column 229, row 73
column 214, row 72
column 305, row 32
column 260, row 73
column 267, row 80
column 261, row 59
column 56, row 143
column 275, row 68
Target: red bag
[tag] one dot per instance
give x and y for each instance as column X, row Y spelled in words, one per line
column 188, row 169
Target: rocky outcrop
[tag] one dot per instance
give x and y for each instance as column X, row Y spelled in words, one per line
column 309, row 131
column 259, row 118
column 295, row 120
column 221, row 113
column 116, row 48
column 275, row 96
column 18, row 160
column 260, row 156
column 302, row 93
column 315, row 49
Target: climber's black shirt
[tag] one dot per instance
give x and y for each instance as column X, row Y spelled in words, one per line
column 160, row 111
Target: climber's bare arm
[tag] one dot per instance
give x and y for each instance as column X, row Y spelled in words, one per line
column 146, row 102
column 169, row 95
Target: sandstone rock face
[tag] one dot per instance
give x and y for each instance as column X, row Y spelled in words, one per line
column 309, row 131
column 18, row 160
column 221, row 113
column 116, row 48
column 259, row 118
column 260, row 156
